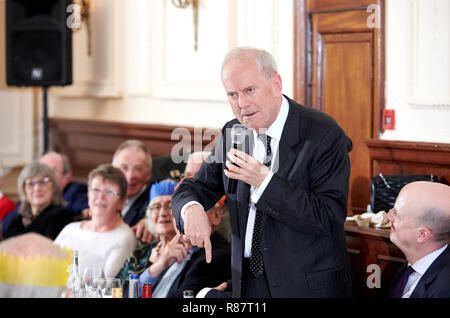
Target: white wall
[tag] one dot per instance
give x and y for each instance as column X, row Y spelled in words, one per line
column 149, row 56
column 418, row 69
column 16, row 112
column 144, row 68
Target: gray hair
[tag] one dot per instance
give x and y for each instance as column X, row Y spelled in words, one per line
column 134, row 144
column 438, row 221
column 32, row 170
column 66, row 163
column 110, row 173
column 264, row 60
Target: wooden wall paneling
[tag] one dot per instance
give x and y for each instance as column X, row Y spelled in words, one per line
column 405, row 157
column 324, row 5
column 89, row 143
column 345, row 78
column 367, row 246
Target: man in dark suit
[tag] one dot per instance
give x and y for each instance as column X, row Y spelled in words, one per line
column 287, row 221
column 133, row 158
column 420, row 228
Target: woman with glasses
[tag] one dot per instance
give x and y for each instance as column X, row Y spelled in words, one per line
column 42, row 209
column 160, row 224
column 105, row 241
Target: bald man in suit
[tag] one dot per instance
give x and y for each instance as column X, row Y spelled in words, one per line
column 420, row 228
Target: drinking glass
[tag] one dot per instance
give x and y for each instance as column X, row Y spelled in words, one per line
column 112, row 288
column 91, row 277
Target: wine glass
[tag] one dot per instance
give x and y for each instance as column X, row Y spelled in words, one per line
column 112, row 288
column 88, row 277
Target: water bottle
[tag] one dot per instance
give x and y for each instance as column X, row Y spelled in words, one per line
column 133, row 286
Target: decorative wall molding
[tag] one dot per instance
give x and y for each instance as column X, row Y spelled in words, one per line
column 16, row 139
column 89, row 143
column 425, row 42
column 99, row 75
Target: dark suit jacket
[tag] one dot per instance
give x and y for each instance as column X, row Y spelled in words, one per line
column 435, row 282
column 304, row 205
column 198, row 274
column 48, row 223
column 75, row 194
column 137, row 210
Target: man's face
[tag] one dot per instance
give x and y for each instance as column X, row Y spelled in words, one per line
column 55, row 162
column 254, row 99
column 135, row 166
column 403, row 227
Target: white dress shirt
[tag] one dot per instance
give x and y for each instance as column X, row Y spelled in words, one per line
column 420, row 267
column 129, row 202
column 259, row 153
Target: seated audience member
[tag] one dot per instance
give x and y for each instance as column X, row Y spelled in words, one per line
column 420, row 229
column 6, row 204
column 133, row 158
column 145, row 254
column 105, row 241
column 41, row 210
column 74, row 193
column 32, row 266
column 176, row 267
column 193, row 164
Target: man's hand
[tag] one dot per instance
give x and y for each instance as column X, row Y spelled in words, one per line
column 142, row 233
column 173, row 251
column 197, row 229
column 222, row 286
column 249, row 170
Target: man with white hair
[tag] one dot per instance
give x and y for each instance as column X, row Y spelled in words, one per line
column 420, row 229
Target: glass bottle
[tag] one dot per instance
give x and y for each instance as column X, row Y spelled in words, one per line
column 146, row 290
column 133, row 286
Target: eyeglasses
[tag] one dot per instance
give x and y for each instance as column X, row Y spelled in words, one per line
column 31, row 183
column 154, row 209
column 107, row 193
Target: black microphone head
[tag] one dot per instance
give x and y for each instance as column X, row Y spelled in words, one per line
column 238, row 133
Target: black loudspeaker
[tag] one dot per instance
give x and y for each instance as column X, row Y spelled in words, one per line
column 39, row 43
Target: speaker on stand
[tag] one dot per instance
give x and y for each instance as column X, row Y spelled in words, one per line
column 38, row 47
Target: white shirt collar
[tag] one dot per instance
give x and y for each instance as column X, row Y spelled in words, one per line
column 276, row 129
column 422, row 264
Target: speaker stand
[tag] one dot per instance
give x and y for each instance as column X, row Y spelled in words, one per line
column 45, row 119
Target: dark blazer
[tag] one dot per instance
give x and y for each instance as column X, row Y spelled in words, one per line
column 304, row 205
column 75, row 194
column 48, row 223
column 198, row 274
column 435, row 282
column 139, row 207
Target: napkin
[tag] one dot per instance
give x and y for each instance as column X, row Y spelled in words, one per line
column 379, row 219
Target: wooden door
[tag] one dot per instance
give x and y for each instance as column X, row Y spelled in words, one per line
column 342, row 65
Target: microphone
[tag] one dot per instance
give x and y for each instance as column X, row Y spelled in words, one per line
column 238, row 133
